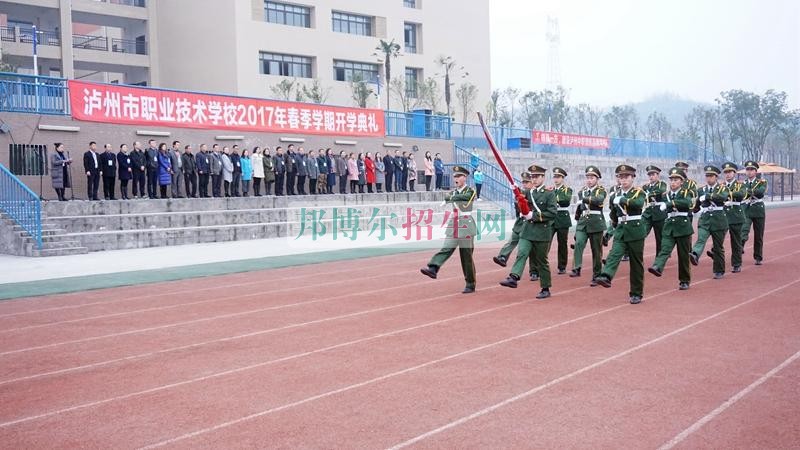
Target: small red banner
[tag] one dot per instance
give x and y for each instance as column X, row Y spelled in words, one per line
column 570, row 140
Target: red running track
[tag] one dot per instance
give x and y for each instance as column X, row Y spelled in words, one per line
column 371, row 354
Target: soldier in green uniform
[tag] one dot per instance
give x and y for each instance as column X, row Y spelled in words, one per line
column 537, row 232
column 461, row 231
column 734, row 213
column 628, row 235
column 563, row 221
column 502, row 258
column 754, row 210
column 655, row 210
column 689, row 184
column 712, row 222
column 591, row 224
column 677, row 229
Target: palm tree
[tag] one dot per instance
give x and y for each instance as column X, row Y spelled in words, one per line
column 448, row 64
column 389, row 50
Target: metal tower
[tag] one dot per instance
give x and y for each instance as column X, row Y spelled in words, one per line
column 553, row 38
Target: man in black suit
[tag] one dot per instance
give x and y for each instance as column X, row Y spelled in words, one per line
column 398, row 171
column 388, row 162
column 108, row 169
column 280, row 171
column 151, row 157
column 91, row 164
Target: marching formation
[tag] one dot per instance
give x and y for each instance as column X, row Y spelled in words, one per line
column 665, row 208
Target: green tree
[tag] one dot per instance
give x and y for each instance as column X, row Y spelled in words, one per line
column 752, row 117
column 361, row 90
column 466, row 94
column 389, row 50
column 285, row 90
column 429, row 94
column 316, row 93
column 449, row 66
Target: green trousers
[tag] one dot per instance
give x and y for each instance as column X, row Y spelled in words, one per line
column 596, row 244
column 562, row 235
column 717, row 246
column 735, row 231
column 684, row 244
column 758, row 235
column 509, row 247
column 465, row 247
column 538, row 252
column 657, row 228
column 635, row 250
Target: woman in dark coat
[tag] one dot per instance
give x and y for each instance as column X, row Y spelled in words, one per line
column 59, row 171
column 164, row 169
column 269, row 171
column 332, row 171
column 125, row 170
column 362, row 173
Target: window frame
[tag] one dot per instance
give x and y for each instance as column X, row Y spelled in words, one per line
column 286, row 63
column 300, row 14
column 350, row 68
column 350, row 23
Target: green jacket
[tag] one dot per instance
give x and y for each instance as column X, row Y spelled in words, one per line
column 462, row 207
column 734, row 212
column 591, row 200
column 755, row 197
column 563, row 200
column 691, row 186
column 713, row 215
column 679, row 207
column 269, row 168
column 630, row 205
column 543, row 206
column 655, row 196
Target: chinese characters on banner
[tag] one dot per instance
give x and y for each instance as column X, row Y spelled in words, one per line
column 142, row 106
column 570, row 140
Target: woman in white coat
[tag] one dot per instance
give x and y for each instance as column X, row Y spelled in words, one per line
column 258, row 170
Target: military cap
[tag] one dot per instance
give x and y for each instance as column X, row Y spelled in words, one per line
column 536, row 170
column 677, row 172
column 751, row 165
column 730, row 167
column 682, row 165
column 559, row 171
column 527, row 176
column 625, row 169
column 712, row 170
column 460, row 170
column 652, row 169
column 592, row 170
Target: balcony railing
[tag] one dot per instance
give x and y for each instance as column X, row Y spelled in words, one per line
column 139, row 3
column 413, row 124
column 128, row 46
column 90, row 42
column 32, row 94
column 8, row 34
column 25, row 36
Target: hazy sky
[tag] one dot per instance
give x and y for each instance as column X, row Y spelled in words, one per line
column 620, row 51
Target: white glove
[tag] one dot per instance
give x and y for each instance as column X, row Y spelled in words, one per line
column 662, row 207
column 617, row 200
column 702, row 198
column 528, row 216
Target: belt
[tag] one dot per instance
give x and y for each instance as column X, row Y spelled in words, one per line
column 596, row 213
column 757, row 200
column 733, row 203
column 677, row 214
column 624, row 219
column 658, row 204
column 563, row 208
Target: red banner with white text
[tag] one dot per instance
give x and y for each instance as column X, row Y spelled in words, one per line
column 129, row 105
column 570, row 140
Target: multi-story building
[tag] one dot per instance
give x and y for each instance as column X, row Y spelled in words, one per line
column 246, row 47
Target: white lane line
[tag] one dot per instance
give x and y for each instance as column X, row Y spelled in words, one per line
column 580, row 371
column 727, row 404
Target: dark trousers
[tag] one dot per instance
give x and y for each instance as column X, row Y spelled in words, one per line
column 439, row 177
column 227, row 185
column 257, row 187
column 398, row 180
column 379, row 187
column 342, row 184
column 152, row 182
column 190, row 181
column 216, row 185
column 235, row 183
column 279, row 177
column 291, row 178
column 164, row 190
column 684, row 244
column 331, row 182
column 562, row 237
column 203, row 181
column 108, row 188
column 369, row 188
column 478, row 187
column 389, row 179
column 268, row 187
column 312, row 186
column 736, row 243
column 428, row 179
column 123, row 189
column 60, row 194
column 657, row 228
column 92, row 184
column 301, row 184
column 353, row 186
column 635, row 250
column 138, row 183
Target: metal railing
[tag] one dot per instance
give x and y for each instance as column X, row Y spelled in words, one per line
column 21, row 205
column 128, row 46
column 419, row 125
column 138, row 3
column 32, row 94
column 470, row 135
column 90, row 42
column 25, row 36
column 8, row 34
column 495, row 186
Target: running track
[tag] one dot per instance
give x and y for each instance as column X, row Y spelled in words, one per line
column 372, row 354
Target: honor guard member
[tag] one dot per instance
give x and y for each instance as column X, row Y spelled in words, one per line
column 591, row 224
column 563, row 221
column 655, row 211
column 734, row 213
column 461, row 231
column 754, row 210
column 628, row 235
column 677, row 229
column 537, row 232
column 712, row 220
column 502, row 258
column 612, row 192
column 689, row 183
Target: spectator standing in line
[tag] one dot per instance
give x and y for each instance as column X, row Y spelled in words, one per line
column 438, row 169
column 362, row 173
column 247, row 172
column 369, row 168
column 330, row 159
column 291, row 170
column 215, row 169
column 280, row 170
column 301, row 166
column 138, row 163
column 343, row 171
column 352, row 172
column 125, row 170
column 322, row 166
column 151, row 156
column 203, row 166
column 236, row 179
column 312, row 168
column 269, row 171
column 59, row 171
column 164, row 169
column 428, row 170
column 227, row 170
column 189, row 167
column 91, row 165
column 399, row 167
column 108, row 170
column 258, row 170
column 380, row 173
column 412, row 172
column 388, row 164
column 177, row 169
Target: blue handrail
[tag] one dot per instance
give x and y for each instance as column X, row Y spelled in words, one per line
column 495, row 186
column 21, row 204
column 33, row 94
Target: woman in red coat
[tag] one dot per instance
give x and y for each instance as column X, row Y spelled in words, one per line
column 370, row 169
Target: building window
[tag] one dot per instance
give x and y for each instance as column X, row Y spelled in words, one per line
column 412, row 82
column 347, row 70
column 352, row 24
column 410, row 36
column 410, row 3
column 286, row 14
column 285, row 65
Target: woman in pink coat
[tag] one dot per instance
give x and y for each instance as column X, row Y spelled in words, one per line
column 352, row 172
column 428, row 170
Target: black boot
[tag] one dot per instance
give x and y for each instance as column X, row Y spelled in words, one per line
column 500, row 261
column 430, row 271
column 655, row 271
column 511, row 281
column 575, row 273
column 694, row 258
column 545, row 293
